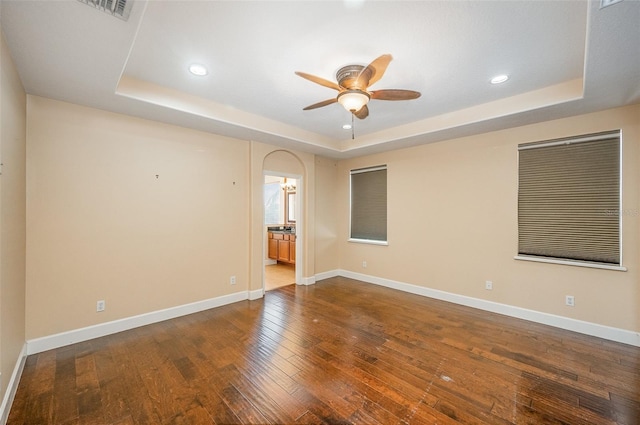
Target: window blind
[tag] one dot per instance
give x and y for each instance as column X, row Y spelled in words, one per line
column 369, row 204
column 569, row 198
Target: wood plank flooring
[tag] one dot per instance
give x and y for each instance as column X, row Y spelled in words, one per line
column 337, row 352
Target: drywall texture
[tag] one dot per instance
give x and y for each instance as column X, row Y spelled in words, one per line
column 143, row 215
column 327, row 218
column 149, row 216
column 452, row 224
column 13, row 116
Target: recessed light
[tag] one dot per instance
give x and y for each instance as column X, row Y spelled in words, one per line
column 499, row 79
column 346, row 127
column 197, row 69
column 357, row 4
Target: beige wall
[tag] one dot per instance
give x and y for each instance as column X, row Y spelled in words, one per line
column 327, row 217
column 143, row 215
column 102, row 226
column 452, row 224
column 12, row 215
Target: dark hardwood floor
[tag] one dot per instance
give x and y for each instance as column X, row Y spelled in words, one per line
column 340, row 351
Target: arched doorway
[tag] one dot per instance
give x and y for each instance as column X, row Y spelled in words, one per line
column 283, row 200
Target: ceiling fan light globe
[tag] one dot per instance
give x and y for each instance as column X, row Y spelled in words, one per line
column 353, row 100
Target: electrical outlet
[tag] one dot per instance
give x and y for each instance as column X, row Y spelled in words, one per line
column 570, row 300
column 100, row 306
column 232, row 280
column 488, row 285
column 364, row 264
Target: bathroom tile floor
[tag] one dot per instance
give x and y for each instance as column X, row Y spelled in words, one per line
column 279, row 275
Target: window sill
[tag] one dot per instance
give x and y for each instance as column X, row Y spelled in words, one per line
column 571, row 263
column 369, row 242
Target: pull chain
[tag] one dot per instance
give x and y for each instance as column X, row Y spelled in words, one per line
column 353, row 135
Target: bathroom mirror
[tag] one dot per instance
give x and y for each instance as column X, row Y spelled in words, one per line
column 290, row 207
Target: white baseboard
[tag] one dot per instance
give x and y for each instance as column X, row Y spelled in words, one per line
column 327, row 275
column 308, row 280
column 12, row 387
column 270, row 262
column 50, row 342
column 256, row 295
column 588, row 328
column 38, row 345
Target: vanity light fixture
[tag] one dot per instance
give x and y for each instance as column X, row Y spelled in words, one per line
column 346, row 127
column 197, row 69
column 498, row 79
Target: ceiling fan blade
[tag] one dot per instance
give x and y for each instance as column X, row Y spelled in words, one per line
column 319, row 80
column 321, row 104
column 362, row 113
column 394, row 94
column 373, row 72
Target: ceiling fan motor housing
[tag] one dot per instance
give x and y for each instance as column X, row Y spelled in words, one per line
column 347, row 76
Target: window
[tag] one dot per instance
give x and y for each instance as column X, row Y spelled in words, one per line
column 369, row 205
column 569, row 199
column 272, row 210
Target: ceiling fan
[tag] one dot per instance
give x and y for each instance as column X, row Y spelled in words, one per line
column 352, row 84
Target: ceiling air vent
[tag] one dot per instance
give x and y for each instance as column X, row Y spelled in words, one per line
column 606, row 3
column 117, row 8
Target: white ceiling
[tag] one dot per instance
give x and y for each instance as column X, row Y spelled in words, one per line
column 563, row 57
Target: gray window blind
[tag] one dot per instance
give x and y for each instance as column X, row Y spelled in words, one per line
column 369, row 204
column 569, row 198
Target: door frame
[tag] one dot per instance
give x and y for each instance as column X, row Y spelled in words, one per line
column 300, row 254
